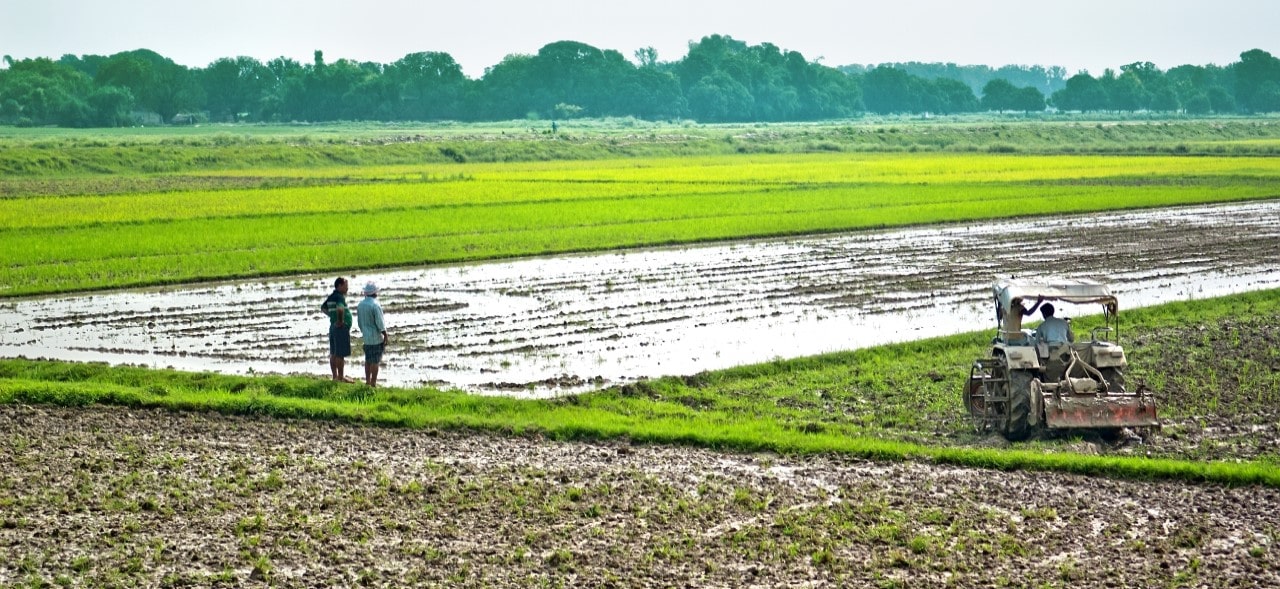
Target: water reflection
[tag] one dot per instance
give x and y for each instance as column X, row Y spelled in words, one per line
column 545, row 326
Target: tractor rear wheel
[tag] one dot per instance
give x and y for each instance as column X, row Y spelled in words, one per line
column 1018, row 426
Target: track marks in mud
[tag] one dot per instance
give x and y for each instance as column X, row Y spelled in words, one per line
column 105, row 495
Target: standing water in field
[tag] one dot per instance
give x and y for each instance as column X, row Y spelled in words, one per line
column 544, row 326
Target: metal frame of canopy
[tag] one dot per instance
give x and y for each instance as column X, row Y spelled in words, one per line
column 1078, row 291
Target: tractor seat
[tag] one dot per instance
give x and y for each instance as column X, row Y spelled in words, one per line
column 1054, row 357
column 1048, row 350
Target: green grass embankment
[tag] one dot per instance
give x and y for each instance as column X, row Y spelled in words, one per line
column 896, row 402
column 62, row 152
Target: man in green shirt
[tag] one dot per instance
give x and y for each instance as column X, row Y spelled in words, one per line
column 335, row 307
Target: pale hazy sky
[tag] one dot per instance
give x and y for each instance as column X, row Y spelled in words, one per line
column 1079, row 34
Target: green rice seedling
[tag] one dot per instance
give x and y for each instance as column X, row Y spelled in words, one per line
column 66, row 243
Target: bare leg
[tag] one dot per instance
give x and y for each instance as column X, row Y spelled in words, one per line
column 373, row 375
column 342, row 366
column 335, row 367
column 368, row 373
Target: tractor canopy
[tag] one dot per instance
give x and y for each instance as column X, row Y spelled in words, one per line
column 1079, row 291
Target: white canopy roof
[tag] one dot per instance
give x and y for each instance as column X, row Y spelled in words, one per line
column 1071, row 290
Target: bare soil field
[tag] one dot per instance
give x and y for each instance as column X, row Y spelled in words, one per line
column 1218, row 388
column 116, row 497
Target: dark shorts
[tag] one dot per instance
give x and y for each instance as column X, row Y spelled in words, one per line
column 373, row 353
column 340, row 342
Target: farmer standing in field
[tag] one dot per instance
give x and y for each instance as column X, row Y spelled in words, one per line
column 335, row 307
column 374, row 331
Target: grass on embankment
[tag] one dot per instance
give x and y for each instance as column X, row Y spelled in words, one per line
column 877, row 403
column 63, row 152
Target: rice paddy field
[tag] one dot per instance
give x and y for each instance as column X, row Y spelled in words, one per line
column 851, row 468
column 373, row 217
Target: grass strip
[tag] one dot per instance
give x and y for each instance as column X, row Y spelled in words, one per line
column 870, row 403
column 572, row 423
column 38, row 152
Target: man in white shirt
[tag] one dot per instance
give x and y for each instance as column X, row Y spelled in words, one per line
column 1053, row 330
column 373, row 331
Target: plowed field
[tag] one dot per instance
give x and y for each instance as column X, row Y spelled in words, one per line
column 114, row 497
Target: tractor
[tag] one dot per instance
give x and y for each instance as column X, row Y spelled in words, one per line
column 1029, row 383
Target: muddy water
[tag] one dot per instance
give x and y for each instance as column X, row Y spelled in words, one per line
column 545, row 326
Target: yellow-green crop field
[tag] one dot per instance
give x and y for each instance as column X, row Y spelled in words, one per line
column 344, row 217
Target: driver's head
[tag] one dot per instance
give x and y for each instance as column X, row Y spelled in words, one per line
column 1047, row 310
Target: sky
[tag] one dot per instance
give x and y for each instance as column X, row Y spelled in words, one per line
column 1079, row 35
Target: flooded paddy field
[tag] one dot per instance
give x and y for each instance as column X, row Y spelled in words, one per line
column 104, row 496
column 545, row 326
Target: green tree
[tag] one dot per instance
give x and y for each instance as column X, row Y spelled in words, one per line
column 504, row 88
column 1166, row 100
column 831, row 94
column 1000, row 95
column 1083, row 93
column 1198, row 104
column 1029, row 100
column 427, row 85
column 647, row 57
column 111, row 106
column 1267, row 97
column 43, row 92
column 887, row 90
column 568, row 72
column 235, row 87
column 329, row 90
column 1148, row 75
column 1253, row 72
column 85, row 64
column 158, row 84
column 718, row 98
column 281, row 100
column 1221, row 100
column 1125, row 91
column 781, row 85
column 953, row 96
column 650, row 93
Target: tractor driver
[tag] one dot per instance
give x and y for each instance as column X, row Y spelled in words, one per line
column 1013, row 318
column 1053, row 330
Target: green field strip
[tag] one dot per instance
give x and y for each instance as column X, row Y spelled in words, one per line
column 73, row 211
column 808, row 168
column 61, row 260
column 740, row 409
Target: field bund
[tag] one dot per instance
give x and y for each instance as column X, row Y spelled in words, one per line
column 545, row 326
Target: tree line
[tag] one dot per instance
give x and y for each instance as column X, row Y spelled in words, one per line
column 721, row 79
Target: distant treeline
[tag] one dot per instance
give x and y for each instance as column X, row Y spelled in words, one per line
column 1045, row 79
column 720, row 80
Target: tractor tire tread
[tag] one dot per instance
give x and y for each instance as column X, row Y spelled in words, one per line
column 1019, row 425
